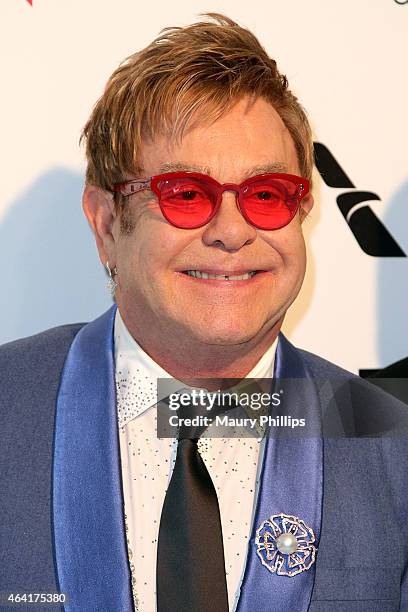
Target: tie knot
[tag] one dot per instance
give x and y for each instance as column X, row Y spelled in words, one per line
column 196, row 417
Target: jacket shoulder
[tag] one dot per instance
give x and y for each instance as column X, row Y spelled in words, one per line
column 36, row 352
column 322, row 368
column 54, row 337
column 30, row 368
column 365, row 409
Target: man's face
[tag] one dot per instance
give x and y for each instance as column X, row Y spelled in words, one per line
column 152, row 261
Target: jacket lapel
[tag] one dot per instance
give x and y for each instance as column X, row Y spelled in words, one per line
column 291, row 483
column 90, row 543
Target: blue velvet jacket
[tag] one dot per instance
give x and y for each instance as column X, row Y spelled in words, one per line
column 61, row 500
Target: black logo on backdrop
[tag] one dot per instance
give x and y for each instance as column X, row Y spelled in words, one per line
column 401, row 1
column 370, row 233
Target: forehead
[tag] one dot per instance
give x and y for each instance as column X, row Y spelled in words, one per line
column 248, row 139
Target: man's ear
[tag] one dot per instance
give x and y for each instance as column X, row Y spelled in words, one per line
column 306, row 206
column 99, row 209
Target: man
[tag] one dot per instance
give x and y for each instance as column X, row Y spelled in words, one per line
column 199, row 164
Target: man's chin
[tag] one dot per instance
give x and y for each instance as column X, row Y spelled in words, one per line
column 235, row 332
column 228, row 341
column 224, row 336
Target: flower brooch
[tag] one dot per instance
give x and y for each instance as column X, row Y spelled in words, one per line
column 285, row 545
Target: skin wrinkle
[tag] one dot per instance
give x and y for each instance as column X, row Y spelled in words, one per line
column 262, row 169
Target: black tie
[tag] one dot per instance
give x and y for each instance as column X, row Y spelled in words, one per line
column 190, row 554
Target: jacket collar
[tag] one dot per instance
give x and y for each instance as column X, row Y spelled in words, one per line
column 291, row 483
column 89, row 531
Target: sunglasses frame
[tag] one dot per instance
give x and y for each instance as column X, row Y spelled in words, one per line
column 131, row 187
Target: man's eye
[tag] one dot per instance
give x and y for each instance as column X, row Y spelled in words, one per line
column 264, row 195
column 189, row 195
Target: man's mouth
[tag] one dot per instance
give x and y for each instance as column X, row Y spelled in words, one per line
column 226, row 277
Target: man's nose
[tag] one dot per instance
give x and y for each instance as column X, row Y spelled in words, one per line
column 228, row 229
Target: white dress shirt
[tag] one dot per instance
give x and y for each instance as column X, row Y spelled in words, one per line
column 147, row 464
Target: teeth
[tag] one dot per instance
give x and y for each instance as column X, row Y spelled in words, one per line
column 204, row 275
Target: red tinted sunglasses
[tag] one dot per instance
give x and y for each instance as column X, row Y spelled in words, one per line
column 189, row 199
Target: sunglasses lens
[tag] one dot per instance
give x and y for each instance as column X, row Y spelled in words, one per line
column 268, row 202
column 271, row 203
column 187, row 202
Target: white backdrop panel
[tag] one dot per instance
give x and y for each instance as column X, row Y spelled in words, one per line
column 346, row 61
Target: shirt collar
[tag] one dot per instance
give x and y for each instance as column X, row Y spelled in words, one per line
column 137, row 373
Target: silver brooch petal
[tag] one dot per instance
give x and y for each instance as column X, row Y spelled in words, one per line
column 285, row 545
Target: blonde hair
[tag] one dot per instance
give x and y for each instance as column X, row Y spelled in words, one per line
column 185, row 74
